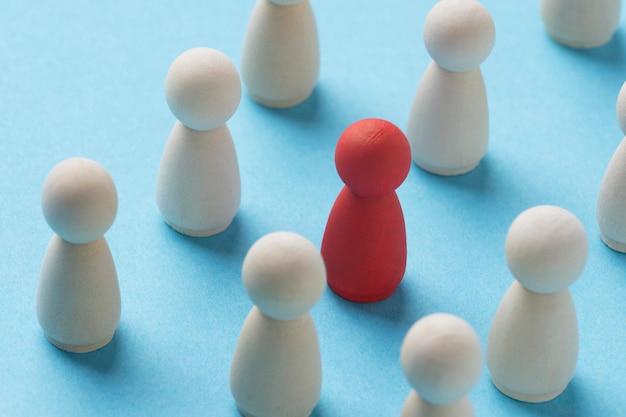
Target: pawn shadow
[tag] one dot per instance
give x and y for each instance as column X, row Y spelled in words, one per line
column 319, row 119
column 608, row 60
column 307, row 112
column 612, row 54
column 482, row 187
column 478, row 180
column 105, row 360
column 572, row 402
column 226, row 244
column 608, row 255
column 402, row 308
column 491, row 185
column 321, row 410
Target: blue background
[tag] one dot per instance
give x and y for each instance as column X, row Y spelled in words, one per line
column 88, row 80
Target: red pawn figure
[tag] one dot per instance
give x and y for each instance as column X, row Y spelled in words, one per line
column 364, row 244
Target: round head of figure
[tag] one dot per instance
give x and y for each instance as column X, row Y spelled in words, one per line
column 203, row 88
column 459, row 34
column 441, row 358
column 79, row 200
column 546, row 249
column 621, row 108
column 373, row 157
column 284, row 275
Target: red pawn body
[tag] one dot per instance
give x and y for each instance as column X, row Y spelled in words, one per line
column 364, row 244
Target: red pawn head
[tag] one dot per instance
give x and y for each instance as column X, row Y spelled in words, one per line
column 373, row 157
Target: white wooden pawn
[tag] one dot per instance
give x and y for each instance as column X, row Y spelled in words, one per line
column 581, row 23
column 448, row 126
column 280, row 59
column 442, row 359
column 276, row 369
column 532, row 349
column 198, row 183
column 78, row 296
column 611, row 204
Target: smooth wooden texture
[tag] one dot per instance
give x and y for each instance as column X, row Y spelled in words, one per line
column 198, row 183
column 280, row 60
column 277, row 369
column 546, row 249
column 611, row 204
column 202, row 88
column 459, row 34
column 448, row 126
column 442, row 360
column 449, row 121
column 364, row 243
column 78, row 295
column 79, row 200
column 581, row 23
column 284, row 275
column 532, row 348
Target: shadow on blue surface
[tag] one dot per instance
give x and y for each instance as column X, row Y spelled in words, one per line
column 609, row 60
column 229, row 243
column 479, row 179
column 307, row 112
column 613, row 53
column 492, row 185
column 571, row 403
column 321, row 411
column 475, row 183
column 105, row 360
column 400, row 309
column 609, row 255
column 319, row 120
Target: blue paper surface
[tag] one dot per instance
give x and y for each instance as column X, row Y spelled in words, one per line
column 87, row 80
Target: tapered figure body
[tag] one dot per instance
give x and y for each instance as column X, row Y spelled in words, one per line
column 364, row 243
column 581, row 23
column 532, row 349
column 448, row 126
column 198, row 183
column 280, row 60
column 611, row 205
column 442, row 360
column 78, row 296
column 276, row 369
